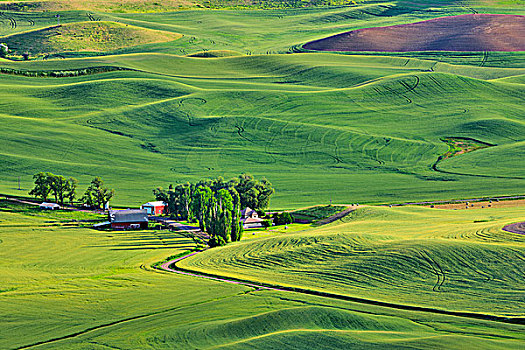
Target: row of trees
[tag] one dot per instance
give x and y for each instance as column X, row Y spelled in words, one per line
column 48, row 184
column 216, row 204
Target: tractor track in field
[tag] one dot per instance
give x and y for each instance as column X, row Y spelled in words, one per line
column 240, row 132
column 436, row 268
column 436, row 169
column 170, row 266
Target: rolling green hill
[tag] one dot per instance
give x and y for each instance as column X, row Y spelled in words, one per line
column 78, row 288
column 373, row 123
column 108, row 91
column 443, row 259
column 83, row 36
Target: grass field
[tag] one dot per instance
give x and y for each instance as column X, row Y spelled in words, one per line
column 93, row 36
column 373, row 123
column 443, row 259
column 173, row 119
column 318, row 212
column 111, row 93
column 94, row 290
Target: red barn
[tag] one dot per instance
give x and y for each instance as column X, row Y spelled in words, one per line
column 154, row 208
column 130, row 219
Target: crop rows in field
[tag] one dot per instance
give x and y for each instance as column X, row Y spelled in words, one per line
column 447, row 264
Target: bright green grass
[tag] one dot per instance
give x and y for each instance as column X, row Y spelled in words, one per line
column 444, row 259
column 60, row 280
column 87, row 36
column 59, row 215
column 351, row 129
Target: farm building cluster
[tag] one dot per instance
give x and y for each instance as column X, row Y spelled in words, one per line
column 134, row 219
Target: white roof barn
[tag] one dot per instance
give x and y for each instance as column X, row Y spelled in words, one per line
column 50, row 206
column 154, row 204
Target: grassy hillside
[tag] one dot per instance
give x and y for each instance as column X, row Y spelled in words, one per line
column 111, row 93
column 444, row 259
column 256, row 31
column 77, row 288
column 83, row 36
column 374, row 124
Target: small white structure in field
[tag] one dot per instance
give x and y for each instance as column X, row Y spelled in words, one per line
column 250, row 218
column 49, row 206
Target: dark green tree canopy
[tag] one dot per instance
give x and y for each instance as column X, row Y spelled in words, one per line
column 216, row 204
column 47, row 184
column 97, row 195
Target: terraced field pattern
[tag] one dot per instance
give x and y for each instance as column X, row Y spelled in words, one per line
column 147, row 93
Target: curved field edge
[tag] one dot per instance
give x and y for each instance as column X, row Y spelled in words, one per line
column 91, row 36
column 468, row 32
column 436, row 263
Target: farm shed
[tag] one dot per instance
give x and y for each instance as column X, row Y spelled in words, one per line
column 49, row 206
column 154, row 208
column 250, row 218
column 129, row 219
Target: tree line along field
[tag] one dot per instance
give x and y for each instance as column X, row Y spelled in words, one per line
column 79, row 288
column 374, row 123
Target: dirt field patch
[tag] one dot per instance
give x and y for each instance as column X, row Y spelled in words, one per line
column 518, row 227
column 461, row 145
column 482, row 204
column 477, row 32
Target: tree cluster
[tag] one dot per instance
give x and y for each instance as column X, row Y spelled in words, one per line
column 216, row 204
column 97, row 195
column 4, row 50
column 48, row 184
column 283, row 218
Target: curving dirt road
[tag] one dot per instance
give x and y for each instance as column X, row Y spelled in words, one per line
column 167, row 267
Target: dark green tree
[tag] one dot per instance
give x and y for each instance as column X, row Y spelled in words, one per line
column 4, row 50
column 219, row 218
column 42, row 187
column 97, row 195
column 182, row 198
column 216, row 204
column 200, row 198
column 237, row 226
column 283, row 218
column 59, row 187
column 71, row 192
column 253, row 193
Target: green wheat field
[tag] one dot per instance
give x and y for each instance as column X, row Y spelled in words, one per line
column 147, row 94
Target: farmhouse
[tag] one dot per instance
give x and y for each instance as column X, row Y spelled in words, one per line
column 130, row 219
column 154, row 208
column 250, row 218
column 49, row 206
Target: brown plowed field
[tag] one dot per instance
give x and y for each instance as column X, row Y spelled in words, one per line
column 456, row 33
column 484, row 204
column 516, row 228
